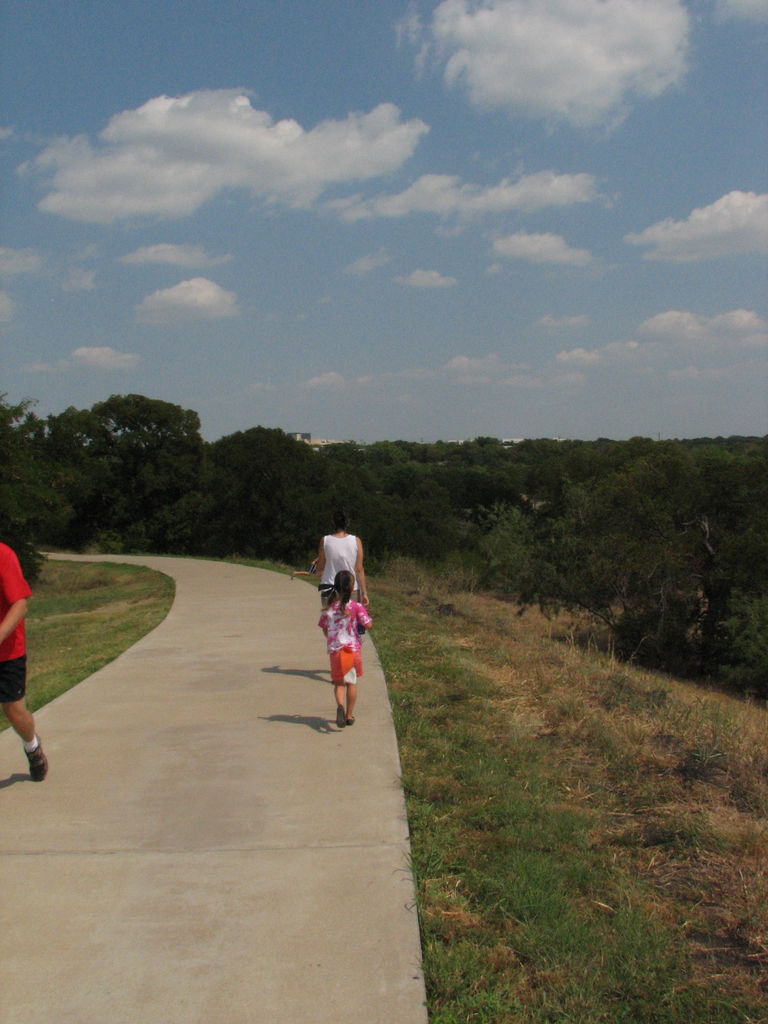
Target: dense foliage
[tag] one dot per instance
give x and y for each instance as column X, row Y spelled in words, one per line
column 665, row 542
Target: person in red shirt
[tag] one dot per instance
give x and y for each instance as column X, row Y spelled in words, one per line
column 14, row 596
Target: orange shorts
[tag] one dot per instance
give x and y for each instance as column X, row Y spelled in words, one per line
column 338, row 669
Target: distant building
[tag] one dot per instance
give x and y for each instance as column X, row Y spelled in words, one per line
column 313, row 442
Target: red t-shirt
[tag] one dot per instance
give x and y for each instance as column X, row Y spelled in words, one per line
column 13, row 588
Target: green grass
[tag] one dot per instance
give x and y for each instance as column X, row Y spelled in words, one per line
column 588, row 841
column 561, row 865
column 82, row 615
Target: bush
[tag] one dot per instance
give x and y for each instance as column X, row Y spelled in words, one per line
column 746, row 645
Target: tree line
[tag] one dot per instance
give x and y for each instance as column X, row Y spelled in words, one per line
column 664, row 542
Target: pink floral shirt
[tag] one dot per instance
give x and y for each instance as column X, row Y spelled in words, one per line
column 341, row 629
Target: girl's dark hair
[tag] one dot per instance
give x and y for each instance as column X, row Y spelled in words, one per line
column 340, row 519
column 343, row 583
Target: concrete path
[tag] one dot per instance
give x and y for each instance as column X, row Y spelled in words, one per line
column 208, row 847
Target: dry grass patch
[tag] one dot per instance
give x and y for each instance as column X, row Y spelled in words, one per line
column 632, row 803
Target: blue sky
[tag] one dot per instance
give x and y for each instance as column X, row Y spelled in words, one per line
column 381, row 220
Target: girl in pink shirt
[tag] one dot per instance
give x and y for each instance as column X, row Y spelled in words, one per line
column 339, row 622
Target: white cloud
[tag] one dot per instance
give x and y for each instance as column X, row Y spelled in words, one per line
column 444, row 195
column 196, row 299
column 459, row 371
column 735, row 224
column 426, row 279
column 19, row 261
column 409, row 28
column 80, row 280
column 476, row 370
column 671, row 336
column 579, row 356
column 704, row 374
column 98, row 358
column 171, row 155
column 474, row 364
column 740, row 328
column 331, row 380
column 6, row 308
column 489, row 370
column 571, row 379
column 544, row 248
column 40, row 367
column 104, row 358
column 412, row 373
column 615, row 352
column 742, row 373
column 750, row 10
column 365, row 264
column 173, row 255
column 580, row 61
column 558, row 323
column 674, row 323
column 620, row 365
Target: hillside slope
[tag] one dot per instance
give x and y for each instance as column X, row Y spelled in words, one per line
column 589, row 839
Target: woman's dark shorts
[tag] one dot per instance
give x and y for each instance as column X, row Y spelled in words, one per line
column 13, row 679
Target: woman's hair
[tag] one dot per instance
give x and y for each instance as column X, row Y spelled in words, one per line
column 340, row 519
column 343, row 583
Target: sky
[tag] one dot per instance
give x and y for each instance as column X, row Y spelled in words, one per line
column 378, row 220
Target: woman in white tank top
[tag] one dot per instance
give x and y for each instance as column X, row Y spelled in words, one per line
column 341, row 550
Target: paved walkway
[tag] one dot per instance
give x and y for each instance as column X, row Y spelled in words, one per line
column 208, row 847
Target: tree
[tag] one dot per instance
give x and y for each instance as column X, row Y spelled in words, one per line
column 617, row 548
column 263, row 496
column 66, row 440
column 655, row 547
column 27, row 496
column 507, row 549
column 130, row 471
column 745, row 654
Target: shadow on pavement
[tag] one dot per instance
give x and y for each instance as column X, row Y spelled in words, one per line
column 318, row 674
column 322, row 725
column 16, row 777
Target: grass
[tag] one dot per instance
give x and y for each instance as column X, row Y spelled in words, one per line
column 589, row 841
column 82, row 615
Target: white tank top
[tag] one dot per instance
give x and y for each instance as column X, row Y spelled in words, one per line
column 340, row 553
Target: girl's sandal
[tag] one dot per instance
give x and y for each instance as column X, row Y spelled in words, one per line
column 351, row 721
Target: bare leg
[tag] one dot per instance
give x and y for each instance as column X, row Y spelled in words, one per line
column 339, row 690
column 351, row 699
column 21, row 719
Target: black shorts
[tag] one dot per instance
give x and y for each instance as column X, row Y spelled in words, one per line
column 13, row 679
